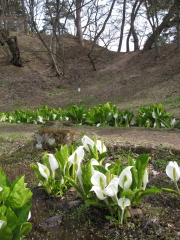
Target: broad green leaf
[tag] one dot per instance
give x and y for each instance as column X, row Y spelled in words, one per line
column 4, row 181
column 86, row 177
column 126, row 193
column 25, row 228
column 141, row 164
column 93, row 152
column 62, row 156
column 23, row 212
column 134, row 173
column 116, row 167
column 19, row 194
column 100, row 169
column 6, row 233
column 18, row 198
column 102, row 156
column 12, row 220
column 5, row 193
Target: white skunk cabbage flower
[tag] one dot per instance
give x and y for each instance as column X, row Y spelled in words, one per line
column 53, row 163
column 125, row 178
column 145, row 178
column 44, row 171
column 99, row 182
column 1, row 223
column 112, row 188
column 123, row 203
column 80, row 155
column 85, row 141
column 100, row 146
column 173, row 171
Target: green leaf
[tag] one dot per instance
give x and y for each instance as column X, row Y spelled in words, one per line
column 25, row 228
column 134, row 173
column 102, row 156
column 116, row 167
column 86, row 177
column 97, row 204
column 93, row 152
column 126, row 193
column 5, row 193
column 19, row 194
column 141, row 193
column 100, row 169
column 112, row 219
column 170, row 190
column 141, row 164
column 62, row 156
column 12, row 220
column 4, row 181
column 6, row 233
column 23, row 212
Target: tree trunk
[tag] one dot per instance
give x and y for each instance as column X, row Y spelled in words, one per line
column 78, row 22
column 178, row 23
column 164, row 24
column 24, row 16
column 122, row 26
column 13, row 47
column 132, row 29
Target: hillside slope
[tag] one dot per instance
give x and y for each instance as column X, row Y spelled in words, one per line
column 129, row 80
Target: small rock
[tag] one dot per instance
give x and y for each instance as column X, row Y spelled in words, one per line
column 48, row 138
column 74, row 204
column 51, row 222
column 135, row 211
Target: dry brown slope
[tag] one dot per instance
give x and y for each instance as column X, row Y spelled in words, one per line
column 129, row 80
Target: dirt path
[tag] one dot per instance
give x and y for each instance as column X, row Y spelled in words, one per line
column 127, row 137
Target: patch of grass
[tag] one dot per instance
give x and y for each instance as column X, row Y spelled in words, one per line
column 160, row 159
column 11, row 136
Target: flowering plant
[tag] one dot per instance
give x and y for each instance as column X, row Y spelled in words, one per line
column 173, row 172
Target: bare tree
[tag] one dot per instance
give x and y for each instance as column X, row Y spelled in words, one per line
column 122, row 26
column 178, row 22
column 78, row 21
column 12, row 43
column 98, row 34
column 158, row 28
column 132, row 30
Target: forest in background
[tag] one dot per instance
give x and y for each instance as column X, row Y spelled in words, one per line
column 126, row 24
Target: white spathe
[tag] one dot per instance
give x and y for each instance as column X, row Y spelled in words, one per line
column 112, row 188
column 44, row 171
column 100, row 146
column 80, row 155
column 125, row 178
column 1, row 223
column 85, row 141
column 123, row 203
column 53, row 163
column 173, row 171
column 99, row 183
column 145, row 178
